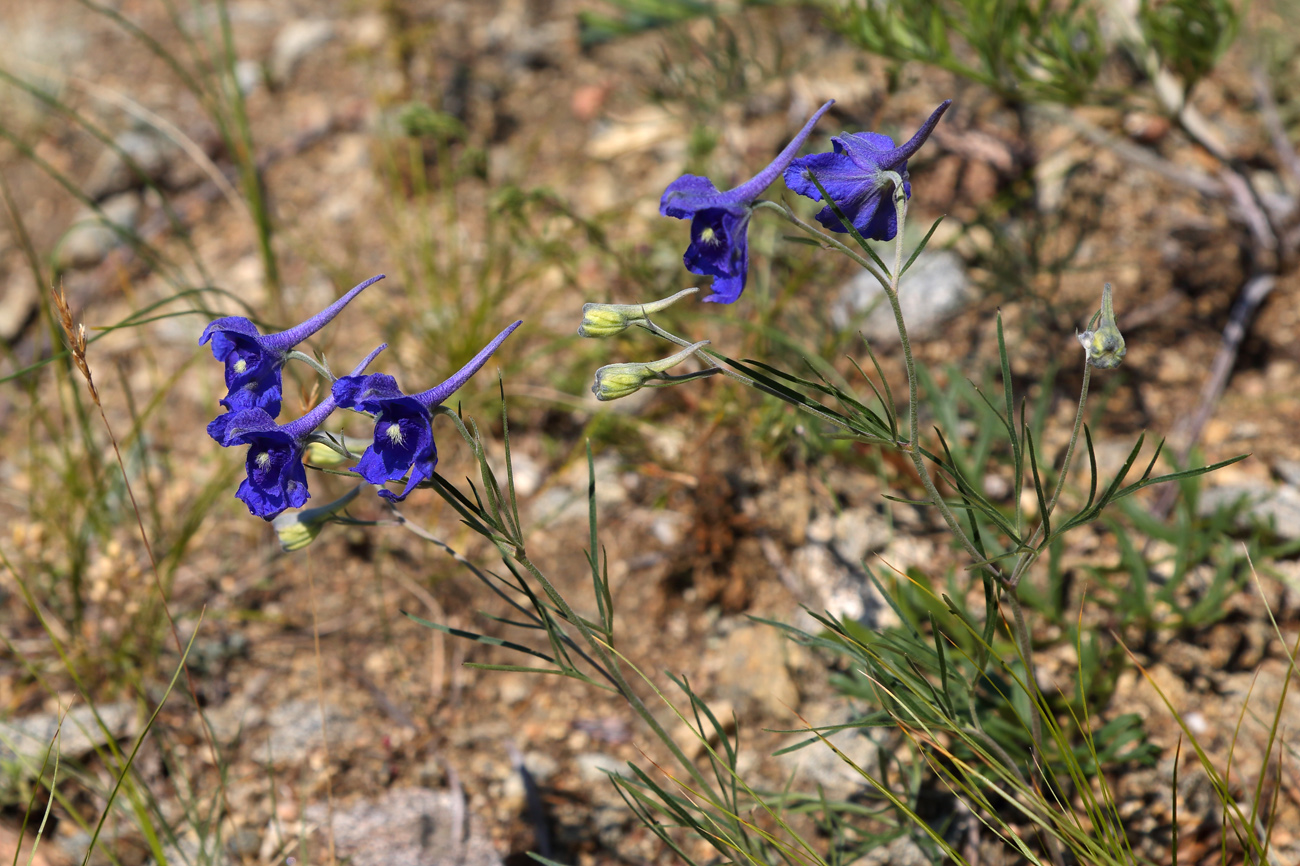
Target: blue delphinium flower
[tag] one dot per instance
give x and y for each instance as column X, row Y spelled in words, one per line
column 253, row 360
column 720, row 220
column 403, row 431
column 276, row 477
column 853, row 176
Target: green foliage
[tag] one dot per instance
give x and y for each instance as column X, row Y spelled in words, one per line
column 722, row 62
column 636, row 16
column 1189, row 35
column 1025, row 50
column 418, row 119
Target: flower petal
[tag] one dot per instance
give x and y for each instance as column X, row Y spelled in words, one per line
column 216, row 330
column 686, row 195
column 366, row 393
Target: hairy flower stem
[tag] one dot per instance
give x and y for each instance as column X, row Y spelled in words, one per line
column 313, row 363
column 704, row 355
column 912, row 448
column 826, row 239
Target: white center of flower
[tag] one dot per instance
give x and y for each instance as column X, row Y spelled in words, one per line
column 708, row 236
column 241, row 365
column 263, row 460
column 394, row 434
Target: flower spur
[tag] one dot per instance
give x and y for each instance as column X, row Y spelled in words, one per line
column 720, row 220
column 403, row 429
column 253, row 360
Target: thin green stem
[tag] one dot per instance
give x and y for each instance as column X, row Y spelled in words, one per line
column 704, row 355
column 611, row 665
column 913, row 447
column 826, row 239
column 1029, row 557
column 1035, row 711
column 313, row 363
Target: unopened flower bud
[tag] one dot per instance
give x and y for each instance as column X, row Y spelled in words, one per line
column 619, row 380
column 322, row 456
column 297, row 529
column 1104, row 345
column 606, row 320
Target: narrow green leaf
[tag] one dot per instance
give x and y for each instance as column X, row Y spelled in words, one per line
column 848, row 224
column 478, row 638
column 943, row 665
column 916, row 252
column 884, row 383
column 1038, row 485
column 889, row 599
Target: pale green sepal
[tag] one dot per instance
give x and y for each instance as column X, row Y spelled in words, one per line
column 1104, row 346
column 619, row 380
column 297, row 529
column 606, row 320
column 323, row 455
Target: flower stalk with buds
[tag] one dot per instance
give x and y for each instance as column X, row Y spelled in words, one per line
column 620, row 380
column 606, row 320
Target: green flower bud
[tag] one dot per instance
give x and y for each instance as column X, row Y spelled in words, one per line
column 1104, row 346
column 606, row 320
column 322, row 456
column 297, row 529
column 619, row 380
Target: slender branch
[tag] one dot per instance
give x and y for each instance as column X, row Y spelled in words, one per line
column 313, row 363
column 913, row 448
column 1286, row 153
column 612, row 667
column 826, row 239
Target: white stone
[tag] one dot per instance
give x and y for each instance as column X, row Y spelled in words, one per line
column 294, row 42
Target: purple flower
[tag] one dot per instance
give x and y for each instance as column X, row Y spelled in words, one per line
column 853, row 176
column 253, row 360
column 276, row 477
column 403, row 431
column 720, row 220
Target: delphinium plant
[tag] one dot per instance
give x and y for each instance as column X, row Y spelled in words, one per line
column 954, row 685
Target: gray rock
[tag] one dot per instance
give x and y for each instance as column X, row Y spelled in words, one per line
column 18, row 304
column 859, row 531
column 1278, row 507
column 835, row 584
column 191, row 849
column 932, row 291
column 753, row 674
column 902, row 851
column 564, row 498
column 296, row 729
column 1288, row 471
column 90, row 239
column 594, row 767
column 817, row 764
column 26, row 740
column 409, row 827
column 249, row 75
column 294, row 42
column 541, row 765
column 151, row 153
